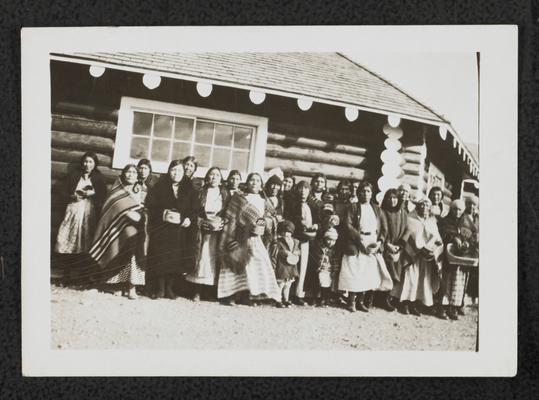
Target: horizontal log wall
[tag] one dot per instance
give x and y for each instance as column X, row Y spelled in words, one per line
column 77, row 129
column 303, row 155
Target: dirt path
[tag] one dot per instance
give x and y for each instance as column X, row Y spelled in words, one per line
column 93, row 320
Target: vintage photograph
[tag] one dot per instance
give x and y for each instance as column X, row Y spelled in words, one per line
column 264, row 201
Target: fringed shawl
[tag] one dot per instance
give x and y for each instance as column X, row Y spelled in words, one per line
column 116, row 235
column 239, row 217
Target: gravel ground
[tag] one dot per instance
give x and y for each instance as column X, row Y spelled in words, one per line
column 88, row 319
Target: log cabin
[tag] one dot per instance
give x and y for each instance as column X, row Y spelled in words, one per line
column 301, row 112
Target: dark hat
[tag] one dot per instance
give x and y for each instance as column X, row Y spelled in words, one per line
column 274, row 179
column 286, row 226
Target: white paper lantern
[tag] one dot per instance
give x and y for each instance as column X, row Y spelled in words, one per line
column 96, row 71
column 393, row 133
column 351, row 113
column 151, row 81
column 304, row 104
column 392, row 144
column 391, row 157
column 393, row 120
column 385, row 183
column 257, row 97
column 204, row 89
column 391, row 170
column 443, row 131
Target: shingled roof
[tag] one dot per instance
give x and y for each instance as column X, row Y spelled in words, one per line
column 327, row 76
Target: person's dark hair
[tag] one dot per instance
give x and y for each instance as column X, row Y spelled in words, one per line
column 192, row 159
column 287, row 175
column 124, row 171
column 207, row 177
column 274, row 179
column 386, row 202
column 316, row 176
column 362, row 185
column 302, row 185
column 93, row 156
column 345, row 182
column 261, row 182
column 232, row 173
column 175, row 163
column 433, row 190
column 145, row 161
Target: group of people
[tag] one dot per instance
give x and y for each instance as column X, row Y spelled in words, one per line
column 279, row 241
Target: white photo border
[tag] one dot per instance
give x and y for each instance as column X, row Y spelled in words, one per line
column 497, row 355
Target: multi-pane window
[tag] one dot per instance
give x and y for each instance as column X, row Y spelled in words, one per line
column 162, row 136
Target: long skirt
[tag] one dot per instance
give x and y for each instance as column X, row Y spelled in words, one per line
column 419, row 282
column 303, row 262
column 364, row 272
column 131, row 274
column 258, row 277
column 454, row 283
column 205, row 270
column 76, row 230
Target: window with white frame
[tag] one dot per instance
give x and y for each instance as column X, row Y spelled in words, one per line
column 162, row 132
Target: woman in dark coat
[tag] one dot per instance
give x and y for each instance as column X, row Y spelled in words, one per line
column 396, row 228
column 171, row 205
column 84, row 193
column 211, row 202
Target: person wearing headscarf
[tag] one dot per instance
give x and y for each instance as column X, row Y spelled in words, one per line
column 363, row 268
column 171, row 207
column 208, row 225
column 438, row 209
column 396, row 218
column 422, row 260
column 246, row 268
column 121, row 236
column 455, row 232
column 305, row 217
column 404, row 196
column 84, row 193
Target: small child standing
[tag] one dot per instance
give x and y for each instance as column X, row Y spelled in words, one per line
column 284, row 253
column 327, row 265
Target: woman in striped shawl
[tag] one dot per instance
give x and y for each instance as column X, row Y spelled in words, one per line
column 246, row 266
column 121, row 238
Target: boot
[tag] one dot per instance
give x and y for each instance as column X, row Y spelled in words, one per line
column 387, row 302
column 351, row 302
column 404, row 309
column 440, row 312
column 169, row 292
column 360, row 302
column 369, row 298
column 452, row 313
column 414, row 310
column 160, row 289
